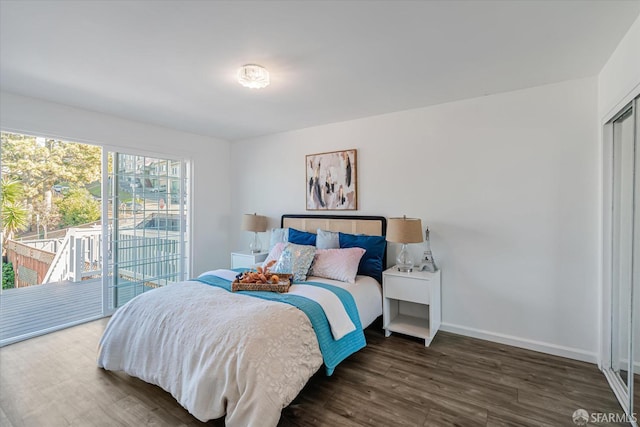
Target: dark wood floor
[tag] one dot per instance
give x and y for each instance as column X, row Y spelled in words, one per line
column 53, row 380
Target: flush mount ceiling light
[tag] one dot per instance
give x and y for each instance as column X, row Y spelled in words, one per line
column 253, row 76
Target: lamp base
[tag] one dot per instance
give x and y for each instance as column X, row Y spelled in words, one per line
column 404, row 261
column 255, row 246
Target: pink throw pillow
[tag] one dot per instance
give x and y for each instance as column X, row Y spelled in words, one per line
column 337, row 264
column 275, row 252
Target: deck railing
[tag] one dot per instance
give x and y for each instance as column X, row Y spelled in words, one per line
column 148, row 255
column 49, row 245
column 79, row 256
column 151, row 258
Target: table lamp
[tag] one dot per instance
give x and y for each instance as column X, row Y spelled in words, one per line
column 404, row 230
column 257, row 224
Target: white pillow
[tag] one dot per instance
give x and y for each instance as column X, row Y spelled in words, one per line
column 337, row 264
column 327, row 239
column 278, row 235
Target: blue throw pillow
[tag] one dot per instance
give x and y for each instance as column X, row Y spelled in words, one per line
column 301, row 237
column 371, row 261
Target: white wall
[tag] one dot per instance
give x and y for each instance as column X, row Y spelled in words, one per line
column 508, row 185
column 618, row 83
column 619, row 79
column 209, row 156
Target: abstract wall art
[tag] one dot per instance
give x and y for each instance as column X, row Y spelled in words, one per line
column 331, row 181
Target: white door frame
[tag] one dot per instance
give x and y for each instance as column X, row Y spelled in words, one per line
column 624, row 396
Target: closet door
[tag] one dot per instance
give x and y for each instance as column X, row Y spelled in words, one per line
column 622, row 246
column 621, row 357
column 635, row 287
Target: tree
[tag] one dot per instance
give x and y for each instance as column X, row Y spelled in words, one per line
column 13, row 213
column 78, row 207
column 47, row 216
column 39, row 163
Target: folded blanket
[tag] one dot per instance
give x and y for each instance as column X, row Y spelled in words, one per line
column 334, row 309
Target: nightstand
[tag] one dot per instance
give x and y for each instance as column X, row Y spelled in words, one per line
column 246, row 259
column 411, row 303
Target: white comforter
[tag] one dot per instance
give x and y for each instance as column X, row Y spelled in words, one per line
column 192, row 340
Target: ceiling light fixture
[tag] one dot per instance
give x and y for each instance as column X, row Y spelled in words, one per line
column 253, row 76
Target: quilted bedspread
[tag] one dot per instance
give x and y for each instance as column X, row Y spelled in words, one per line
column 216, row 352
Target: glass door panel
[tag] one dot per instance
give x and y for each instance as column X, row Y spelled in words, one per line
column 635, row 289
column 52, row 242
column 622, row 234
column 147, row 226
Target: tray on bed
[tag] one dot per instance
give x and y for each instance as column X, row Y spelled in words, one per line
column 282, row 286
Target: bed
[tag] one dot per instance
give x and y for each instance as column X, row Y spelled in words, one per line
column 247, row 355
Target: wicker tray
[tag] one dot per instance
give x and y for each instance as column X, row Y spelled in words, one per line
column 281, row 287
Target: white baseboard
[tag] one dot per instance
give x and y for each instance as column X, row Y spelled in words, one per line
column 543, row 347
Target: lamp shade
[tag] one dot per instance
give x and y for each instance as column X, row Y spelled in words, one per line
column 404, row 230
column 255, row 223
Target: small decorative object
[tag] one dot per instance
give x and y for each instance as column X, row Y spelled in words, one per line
column 257, row 224
column 428, row 263
column 331, row 182
column 404, row 230
column 253, row 76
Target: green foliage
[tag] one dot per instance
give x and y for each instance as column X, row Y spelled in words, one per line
column 95, row 188
column 40, row 163
column 8, row 276
column 11, row 190
column 78, row 207
column 13, row 213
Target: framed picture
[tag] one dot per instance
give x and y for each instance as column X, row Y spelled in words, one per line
column 331, row 183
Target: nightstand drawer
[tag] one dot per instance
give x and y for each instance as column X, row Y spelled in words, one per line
column 407, row 289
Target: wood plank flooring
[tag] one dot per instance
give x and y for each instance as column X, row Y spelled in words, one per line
column 53, row 380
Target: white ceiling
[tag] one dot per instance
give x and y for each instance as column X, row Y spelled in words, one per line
column 173, row 63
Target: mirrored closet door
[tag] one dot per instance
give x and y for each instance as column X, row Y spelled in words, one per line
column 622, row 255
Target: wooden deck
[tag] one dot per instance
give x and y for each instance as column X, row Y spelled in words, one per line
column 40, row 309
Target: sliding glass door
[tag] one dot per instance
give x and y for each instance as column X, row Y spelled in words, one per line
column 147, row 228
column 84, row 230
column 622, row 254
column 52, row 242
column 622, row 250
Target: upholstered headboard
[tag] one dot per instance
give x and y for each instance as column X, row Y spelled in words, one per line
column 352, row 224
